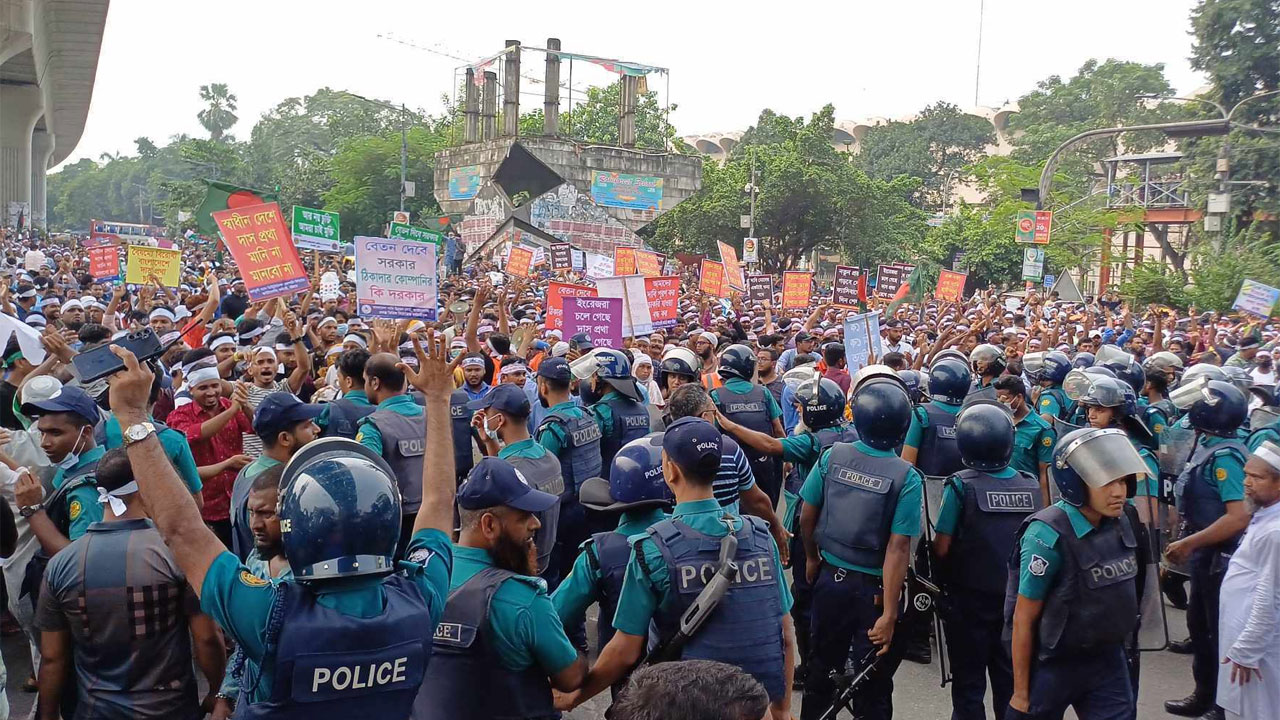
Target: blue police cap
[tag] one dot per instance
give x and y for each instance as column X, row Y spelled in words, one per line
column 693, row 443
column 67, row 400
column 555, row 369
column 493, row 482
column 282, row 410
column 505, row 398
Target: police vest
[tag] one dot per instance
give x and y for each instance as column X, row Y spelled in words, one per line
column 630, row 422
column 1197, row 490
column 991, row 511
column 751, row 410
column 1165, row 408
column 543, row 473
column 1263, row 434
column 467, row 680
column 978, row 391
column 611, row 554
column 344, row 418
column 1093, row 603
column 938, row 454
column 403, row 446
column 859, row 496
column 745, row 629
column 460, row 430
column 580, row 453
column 356, row 666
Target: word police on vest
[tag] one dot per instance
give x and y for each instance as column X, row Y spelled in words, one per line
column 1010, row 501
column 748, row 407
column 359, row 677
column 849, row 477
column 1113, row 571
column 756, row 571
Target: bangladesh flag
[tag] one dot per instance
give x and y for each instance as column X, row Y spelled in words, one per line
column 225, row 196
column 911, row 290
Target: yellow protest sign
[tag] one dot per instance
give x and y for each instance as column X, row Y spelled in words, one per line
column 143, row 262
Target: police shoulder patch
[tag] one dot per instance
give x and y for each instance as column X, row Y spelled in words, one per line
column 360, row 436
column 1220, row 473
column 248, row 578
column 420, row 556
column 1047, row 441
column 1158, row 428
column 75, row 509
column 1038, row 566
column 1045, row 402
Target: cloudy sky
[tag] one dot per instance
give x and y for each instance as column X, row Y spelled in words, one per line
column 728, row 60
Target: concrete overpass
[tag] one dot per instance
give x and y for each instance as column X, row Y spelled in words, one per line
column 48, row 61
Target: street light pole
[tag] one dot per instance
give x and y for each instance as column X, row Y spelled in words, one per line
column 404, row 154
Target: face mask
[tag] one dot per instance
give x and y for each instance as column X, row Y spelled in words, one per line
column 492, row 433
column 72, row 457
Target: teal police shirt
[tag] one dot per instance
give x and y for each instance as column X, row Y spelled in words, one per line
column 176, row 448
column 582, row 585
column 915, row 435
column 953, row 501
column 1033, row 441
column 551, row 435
column 370, row 436
column 740, row 386
column 1040, row 560
column 357, row 397
column 83, row 508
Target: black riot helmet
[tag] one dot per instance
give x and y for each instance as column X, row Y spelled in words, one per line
column 949, row 380
column 987, row 359
column 822, row 403
column 737, row 361
column 339, row 511
column 984, row 436
column 881, row 414
column 912, row 379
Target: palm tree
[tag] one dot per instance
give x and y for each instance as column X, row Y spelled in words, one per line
column 220, row 116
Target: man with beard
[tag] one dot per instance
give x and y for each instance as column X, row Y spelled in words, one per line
column 73, row 314
column 285, row 424
column 395, row 430
column 264, row 371
column 510, row 649
column 340, row 417
column 473, row 376
column 704, row 346
column 161, row 319
column 767, row 372
column 237, row 301
column 804, row 346
column 288, row 357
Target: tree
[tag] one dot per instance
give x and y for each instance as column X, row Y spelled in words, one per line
column 220, row 115
column 366, row 178
column 146, row 148
column 595, row 120
column 1245, row 250
column 936, row 148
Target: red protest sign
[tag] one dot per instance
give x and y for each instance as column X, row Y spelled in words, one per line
column 556, row 293
column 950, row 286
column 519, row 261
column 797, row 289
column 663, row 294
column 624, row 261
column 648, row 264
column 104, row 262
column 711, row 281
column 732, row 268
column 263, row 250
column 1044, row 223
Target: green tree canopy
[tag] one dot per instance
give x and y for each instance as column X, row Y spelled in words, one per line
column 936, row 148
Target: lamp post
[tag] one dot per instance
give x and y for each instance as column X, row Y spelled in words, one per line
column 404, row 138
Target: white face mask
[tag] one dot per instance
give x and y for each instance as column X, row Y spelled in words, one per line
column 72, row 457
column 492, row 433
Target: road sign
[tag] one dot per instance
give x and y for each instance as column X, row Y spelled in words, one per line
column 744, row 221
column 1032, row 263
column 1048, row 280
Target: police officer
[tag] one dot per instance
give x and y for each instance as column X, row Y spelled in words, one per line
column 1210, row 494
column 636, row 491
column 982, row 508
column 1072, row 596
column 500, row 647
column 673, row 562
column 988, row 363
column 463, row 434
column 679, row 366
column 66, row 423
column 1160, row 372
column 341, row 417
column 1033, row 436
column 930, row 444
column 502, row 417
column 347, row 637
column 608, row 388
column 751, row 406
column 1051, row 402
column 572, row 435
column 1108, row 402
column 395, row 430
column 861, row 508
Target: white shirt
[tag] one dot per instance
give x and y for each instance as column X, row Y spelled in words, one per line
column 902, row 346
column 1263, row 378
column 1249, row 618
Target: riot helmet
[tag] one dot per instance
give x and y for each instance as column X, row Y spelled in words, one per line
column 1094, row 457
column 1219, row 410
column 738, row 361
column 881, row 413
column 635, row 479
column 1083, row 360
column 912, row 380
column 680, row 361
column 1054, row 368
column 822, row 403
column 874, row 372
column 987, row 359
column 1212, row 372
column 984, row 436
column 949, row 381
column 611, row 366
column 1164, row 363
column 1239, row 377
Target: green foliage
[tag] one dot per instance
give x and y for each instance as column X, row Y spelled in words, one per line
column 366, row 179
column 595, row 120
column 220, row 115
column 1154, row 283
column 935, row 148
column 1245, row 251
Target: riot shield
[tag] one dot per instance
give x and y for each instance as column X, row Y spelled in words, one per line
column 1176, row 444
column 1263, row 417
column 1153, row 624
column 1062, row 427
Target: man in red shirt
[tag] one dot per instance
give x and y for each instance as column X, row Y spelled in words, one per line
column 215, row 426
column 834, row 357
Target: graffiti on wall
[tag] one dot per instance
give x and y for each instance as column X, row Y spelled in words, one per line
column 574, row 217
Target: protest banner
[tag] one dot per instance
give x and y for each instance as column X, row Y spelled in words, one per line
column 556, row 294
column 519, row 261
column 1256, row 298
column 579, row 259
column 732, row 268
column 950, row 286
column 888, row 278
column 598, row 266
column 562, row 256
column 844, row 291
column 262, row 249
column 405, row 231
column 862, row 339
column 396, row 279
column 143, row 262
column 797, row 289
column 104, row 262
column 624, row 261
column 1044, row 223
column 636, row 319
column 539, row 255
column 648, row 263
column 760, row 288
column 711, row 279
column 664, row 300
column 316, row 230
column 599, row 318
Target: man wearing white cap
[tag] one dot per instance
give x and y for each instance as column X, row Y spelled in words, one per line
column 1249, row 609
column 264, row 364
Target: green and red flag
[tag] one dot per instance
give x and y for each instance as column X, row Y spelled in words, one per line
column 910, row 290
column 225, row 196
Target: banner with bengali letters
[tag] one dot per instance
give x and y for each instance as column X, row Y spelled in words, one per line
column 631, row 289
column 263, row 251
column 556, row 294
column 143, row 262
column 844, row 291
column 862, row 340
column 1256, row 298
column 732, row 268
column 562, row 256
column 760, row 288
column 664, row 300
column 519, row 261
column 599, row 318
column 396, row 279
column 797, row 289
column 104, row 262
column 950, row 286
column 888, row 278
column 711, row 279
column 318, row 230
column 624, row 261
column 648, row 264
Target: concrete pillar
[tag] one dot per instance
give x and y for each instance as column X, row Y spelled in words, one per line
column 20, row 107
column 511, row 89
column 551, row 96
column 41, row 150
column 489, row 107
column 627, row 110
column 471, row 109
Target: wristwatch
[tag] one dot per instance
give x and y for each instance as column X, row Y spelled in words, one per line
column 27, row 511
column 138, row 432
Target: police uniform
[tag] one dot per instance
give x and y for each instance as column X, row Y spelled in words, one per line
column 461, row 431
column 1157, row 416
column 753, row 407
column 863, row 495
column 1053, row 402
column 620, row 420
column 569, row 433
column 933, row 434
column 341, row 418
column 541, row 470
column 396, row 430
column 1033, row 440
